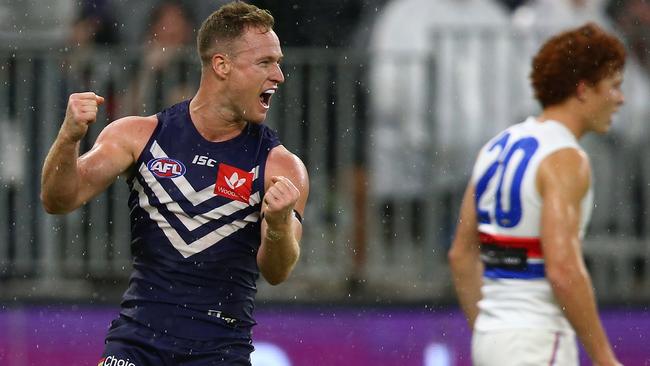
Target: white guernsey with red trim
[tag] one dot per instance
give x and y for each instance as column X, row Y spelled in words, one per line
column 515, row 292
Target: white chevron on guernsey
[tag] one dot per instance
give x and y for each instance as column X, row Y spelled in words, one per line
column 191, row 223
column 187, row 249
column 185, row 187
column 195, row 198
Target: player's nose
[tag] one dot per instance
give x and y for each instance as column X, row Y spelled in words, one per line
column 277, row 75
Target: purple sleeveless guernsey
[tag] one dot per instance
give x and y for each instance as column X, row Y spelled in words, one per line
column 195, row 221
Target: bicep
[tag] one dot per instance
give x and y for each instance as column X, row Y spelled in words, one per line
column 100, row 166
column 113, row 153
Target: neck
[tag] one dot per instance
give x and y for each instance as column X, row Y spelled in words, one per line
column 567, row 114
column 214, row 121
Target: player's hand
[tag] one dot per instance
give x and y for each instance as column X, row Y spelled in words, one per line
column 81, row 112
column 279, row 201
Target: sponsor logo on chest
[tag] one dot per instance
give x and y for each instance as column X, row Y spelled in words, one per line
column 234, row 183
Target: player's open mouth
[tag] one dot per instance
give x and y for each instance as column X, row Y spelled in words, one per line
column 265, row 97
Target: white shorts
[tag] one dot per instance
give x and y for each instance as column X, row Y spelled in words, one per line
column 524, row 347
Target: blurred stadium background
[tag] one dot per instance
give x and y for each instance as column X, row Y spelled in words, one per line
column 372, row 286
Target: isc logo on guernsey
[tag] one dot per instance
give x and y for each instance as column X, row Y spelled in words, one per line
column 166, row 167
column 113, row 361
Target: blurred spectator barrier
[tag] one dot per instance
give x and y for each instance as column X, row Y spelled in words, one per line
column 322, row 114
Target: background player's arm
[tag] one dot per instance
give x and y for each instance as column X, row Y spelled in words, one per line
column 70, row 180
column 563, row 179
column 464, row 258
column 286, row 189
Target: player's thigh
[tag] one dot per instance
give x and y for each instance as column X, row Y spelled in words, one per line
column 524, row 347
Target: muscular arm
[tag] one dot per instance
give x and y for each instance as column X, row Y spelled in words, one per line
column 286, row 189
column 69, row 180
column 563, row 180
column 464, row 259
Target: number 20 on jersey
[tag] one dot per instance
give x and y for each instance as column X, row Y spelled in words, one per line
column 506, row 208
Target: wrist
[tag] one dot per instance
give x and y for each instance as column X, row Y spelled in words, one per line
column 275, row 233
column 67, row 138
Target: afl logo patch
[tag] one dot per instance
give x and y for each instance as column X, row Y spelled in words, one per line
column 166, row 167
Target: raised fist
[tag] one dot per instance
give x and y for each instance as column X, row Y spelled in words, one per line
column 279, row 201
column 81, row 112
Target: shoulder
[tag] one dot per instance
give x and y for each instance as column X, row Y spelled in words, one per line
column 131, row 127
column 282, row 162
column 129, row 133
column 566, row 169
column 569, row 159
column 134, row 124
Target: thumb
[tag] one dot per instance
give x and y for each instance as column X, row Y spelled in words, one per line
column 100, row 100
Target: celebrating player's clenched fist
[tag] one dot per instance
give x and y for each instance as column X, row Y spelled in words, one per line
column 279, row 201
column 82, row 111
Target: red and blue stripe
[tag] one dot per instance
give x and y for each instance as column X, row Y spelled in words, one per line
column 533, row 270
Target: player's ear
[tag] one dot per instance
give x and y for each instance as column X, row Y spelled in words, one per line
column 581, row 90
column 221, row 65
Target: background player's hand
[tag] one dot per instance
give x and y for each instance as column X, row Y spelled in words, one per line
column 81, row 112
column 279, row 201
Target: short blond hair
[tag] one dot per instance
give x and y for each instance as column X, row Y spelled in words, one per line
column 227, row 24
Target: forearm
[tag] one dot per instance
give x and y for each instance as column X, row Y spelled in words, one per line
column 278, row 254
column 575, row 296
column 59, row 181
column 467, row 276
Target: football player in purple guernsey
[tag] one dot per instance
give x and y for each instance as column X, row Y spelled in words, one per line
column 216, row 199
